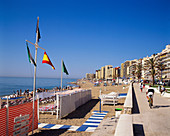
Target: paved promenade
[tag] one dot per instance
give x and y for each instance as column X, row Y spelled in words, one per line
column 151, row 122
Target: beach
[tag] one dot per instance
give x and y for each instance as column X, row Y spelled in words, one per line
column 10, row 84
column 82, row 113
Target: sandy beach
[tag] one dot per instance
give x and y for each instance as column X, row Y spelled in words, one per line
column 81, row 114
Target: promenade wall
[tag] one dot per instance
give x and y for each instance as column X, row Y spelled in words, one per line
column 128, row 105
column 125, row 124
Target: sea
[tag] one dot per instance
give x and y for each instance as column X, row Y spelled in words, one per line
column 10, row 84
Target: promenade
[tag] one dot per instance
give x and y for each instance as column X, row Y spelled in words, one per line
column 150, row 122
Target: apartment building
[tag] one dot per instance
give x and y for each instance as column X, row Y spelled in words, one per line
column 117, row 72
column 102, row 72
column 164, row 58
column 108, row 72
column 122, row 70
column 132, row 68
column 145, row 71
column 98, row 74
column 129, row 68
column 114, row 72
column 90, row 76
column 125, row 69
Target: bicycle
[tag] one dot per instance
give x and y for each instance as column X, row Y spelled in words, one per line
column 150, row 101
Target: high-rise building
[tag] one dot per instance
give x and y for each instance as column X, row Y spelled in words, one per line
column 117, row 72
column 122, row 70
column 132, row 69
column 125, row 69
column 98, row 74
column 108, row 72
column 129, row 68
column 164, row 58
column 102, row 72
column 90, row 76
column 145, row 71
column 113, row 72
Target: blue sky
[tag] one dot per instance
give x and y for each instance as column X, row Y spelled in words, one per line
column 86, row 34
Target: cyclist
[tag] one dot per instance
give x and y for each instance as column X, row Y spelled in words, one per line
column 150, row 93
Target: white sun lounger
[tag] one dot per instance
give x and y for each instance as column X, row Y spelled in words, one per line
column 109, row 98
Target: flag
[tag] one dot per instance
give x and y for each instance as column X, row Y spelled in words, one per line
column 38, row 31
column 64, row 68
column 47, row 60
column 31, row 60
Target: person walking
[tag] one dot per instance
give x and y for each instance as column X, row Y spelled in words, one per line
column 17, row 93
column 163, row 90
column 27, row 92
column 141, row 87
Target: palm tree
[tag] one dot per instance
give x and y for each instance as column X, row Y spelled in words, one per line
column 151, row 65
column 133, row 75
column 139, row 70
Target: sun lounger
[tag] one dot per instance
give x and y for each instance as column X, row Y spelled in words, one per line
column 109, row 98
column 48, row 109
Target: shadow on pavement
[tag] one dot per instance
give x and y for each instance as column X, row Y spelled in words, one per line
column 138, row 130
column 135, row 109
column 160, row 106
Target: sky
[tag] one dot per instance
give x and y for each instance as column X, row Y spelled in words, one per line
column 86, row 34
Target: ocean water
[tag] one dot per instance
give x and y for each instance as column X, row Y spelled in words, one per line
column 10, row 84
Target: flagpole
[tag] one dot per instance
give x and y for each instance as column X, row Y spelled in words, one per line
column 34, row 86
column 61, row 73
column 35, row 68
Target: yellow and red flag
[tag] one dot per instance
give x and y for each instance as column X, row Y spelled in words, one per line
column 47, row 60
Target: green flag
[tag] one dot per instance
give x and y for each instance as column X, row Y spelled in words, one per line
column 31, row 60
column 64, row 69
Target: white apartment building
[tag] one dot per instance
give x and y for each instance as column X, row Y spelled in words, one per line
column 164, row 58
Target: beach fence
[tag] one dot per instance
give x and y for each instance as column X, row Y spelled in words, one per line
column 17, row 120
column 65, row 102
column 71, row 102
